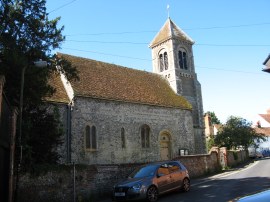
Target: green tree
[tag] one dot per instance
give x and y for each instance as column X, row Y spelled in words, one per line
column 237, row 132
column 210, row 143
column 27, row 35
column 214, row 119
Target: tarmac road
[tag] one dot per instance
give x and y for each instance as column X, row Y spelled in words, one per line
column 226, row 186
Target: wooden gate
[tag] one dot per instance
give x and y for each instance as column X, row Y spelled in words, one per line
column 165, row 146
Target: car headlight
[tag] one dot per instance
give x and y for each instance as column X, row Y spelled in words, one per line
column 136, row 187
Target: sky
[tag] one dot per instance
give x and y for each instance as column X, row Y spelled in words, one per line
column 232, row 40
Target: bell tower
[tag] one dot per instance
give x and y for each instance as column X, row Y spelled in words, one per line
column 172, row 58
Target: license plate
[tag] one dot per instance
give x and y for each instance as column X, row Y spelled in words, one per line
column 119, row 194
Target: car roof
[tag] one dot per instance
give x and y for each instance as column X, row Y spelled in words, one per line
column 162, row 162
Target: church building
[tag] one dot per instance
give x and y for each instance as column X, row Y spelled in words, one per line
column 115, row 114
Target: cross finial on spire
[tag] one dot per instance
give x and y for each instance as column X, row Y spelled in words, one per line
column 168, row 7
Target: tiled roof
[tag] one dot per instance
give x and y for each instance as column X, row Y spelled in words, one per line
column 266, row 117
column 218, row 126
column 60, row 94
column 108, row 81
column 168, row 31
column 263, row 130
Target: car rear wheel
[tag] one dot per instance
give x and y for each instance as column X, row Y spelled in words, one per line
column 152, row 194
column 186, row 185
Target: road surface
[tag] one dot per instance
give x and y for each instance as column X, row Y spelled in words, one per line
column 227, row 186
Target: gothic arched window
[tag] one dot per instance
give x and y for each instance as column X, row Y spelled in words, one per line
column 145, row 136
column 182, row 59
column 90, row 138
column 163, row 61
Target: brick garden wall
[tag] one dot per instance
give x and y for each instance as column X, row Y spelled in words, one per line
column 96, row 181
column 236, row 157
column 199, row 165
column 93, row 182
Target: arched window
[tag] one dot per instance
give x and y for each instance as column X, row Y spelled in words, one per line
column 145, row 136
column 123, row 138
column 185, row 60
column 182, row 59
column 90, row 138
column 163, row 61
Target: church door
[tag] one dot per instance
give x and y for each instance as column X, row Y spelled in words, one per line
column 165, row 150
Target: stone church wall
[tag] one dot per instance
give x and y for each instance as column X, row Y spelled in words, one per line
column 200, row 144
column 110, row 116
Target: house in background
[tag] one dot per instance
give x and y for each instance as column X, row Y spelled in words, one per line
column 263, row 120
column 267, row 64
column 217, row 128
column 211, row 129
column 263, row 126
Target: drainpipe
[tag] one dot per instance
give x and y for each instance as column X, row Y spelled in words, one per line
column 68, row 133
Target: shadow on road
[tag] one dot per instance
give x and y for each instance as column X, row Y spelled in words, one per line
column 219, row 190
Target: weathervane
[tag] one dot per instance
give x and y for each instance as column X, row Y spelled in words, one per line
column 168, row 7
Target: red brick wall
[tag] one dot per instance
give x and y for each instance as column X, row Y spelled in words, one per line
column 93, row 182
column 199, row 165
column 236, row 157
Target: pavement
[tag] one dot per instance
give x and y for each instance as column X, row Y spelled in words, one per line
column 201, row 180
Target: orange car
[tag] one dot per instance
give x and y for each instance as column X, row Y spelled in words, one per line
column 151, row 180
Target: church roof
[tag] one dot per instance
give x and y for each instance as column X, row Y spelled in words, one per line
column 169, row 31
column 60, row 94
column 112, row 82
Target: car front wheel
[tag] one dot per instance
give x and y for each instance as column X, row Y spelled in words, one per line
column 152, row 194
column 186, row 185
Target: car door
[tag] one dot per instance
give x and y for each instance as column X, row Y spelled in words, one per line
column 163, row 179
column 176, row 175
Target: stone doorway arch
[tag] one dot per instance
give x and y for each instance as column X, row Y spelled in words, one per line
column 165, row 145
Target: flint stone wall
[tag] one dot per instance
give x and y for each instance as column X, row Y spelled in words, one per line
column 94, row 182
column 109, row 117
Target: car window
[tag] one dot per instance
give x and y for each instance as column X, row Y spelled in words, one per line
column 163, row 170
column 143, row 172
column 174, row 167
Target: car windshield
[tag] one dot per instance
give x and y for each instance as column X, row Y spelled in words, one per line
column 143, row 172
